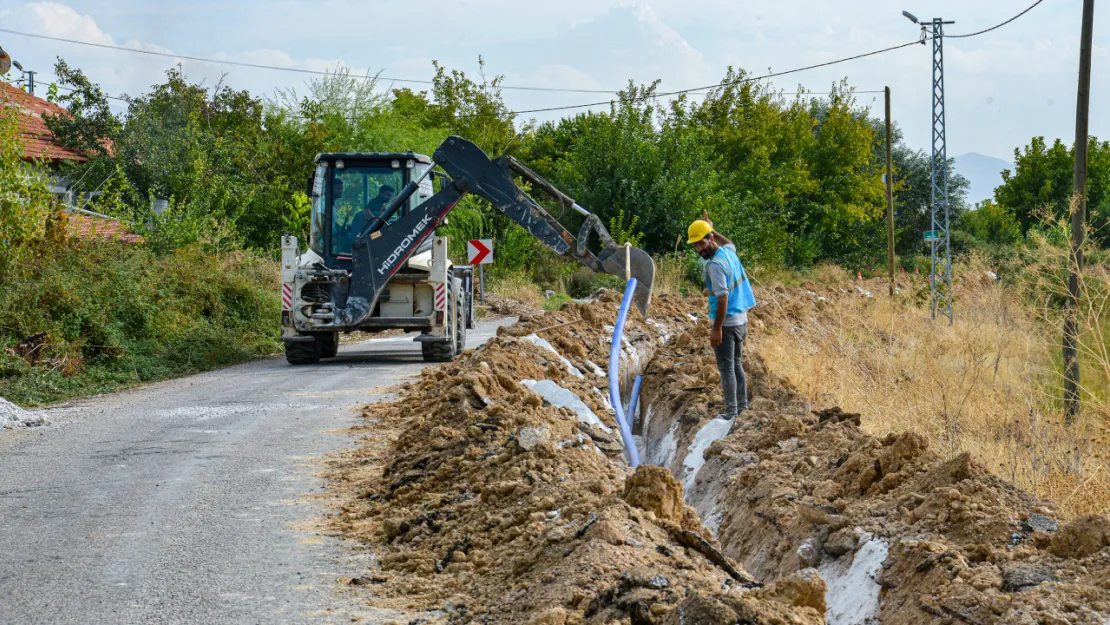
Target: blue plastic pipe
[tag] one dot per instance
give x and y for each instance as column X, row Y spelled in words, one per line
column 631, row 414
column 614, row 376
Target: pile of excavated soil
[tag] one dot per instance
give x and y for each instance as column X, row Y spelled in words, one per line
column 803, row 489
column 487, row 502
column 899, row 533
column 495, row 490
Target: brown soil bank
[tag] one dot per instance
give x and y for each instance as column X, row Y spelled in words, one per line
column 484, row 503
column 899, row 533
column 495, row 490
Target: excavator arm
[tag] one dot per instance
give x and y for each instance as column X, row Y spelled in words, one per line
column 382, row 248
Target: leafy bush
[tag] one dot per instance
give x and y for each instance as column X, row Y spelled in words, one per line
column 111, row 315
column 24, row 196
column 991, row 223
column 584, row 282
column 517, row 251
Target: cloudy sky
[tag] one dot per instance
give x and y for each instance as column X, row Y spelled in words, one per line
column 1003, row 87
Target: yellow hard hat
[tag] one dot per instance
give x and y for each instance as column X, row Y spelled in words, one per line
column 698, row 231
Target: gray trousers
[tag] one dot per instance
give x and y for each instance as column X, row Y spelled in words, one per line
column 733, row 382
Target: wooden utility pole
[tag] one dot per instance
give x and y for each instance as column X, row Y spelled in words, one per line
column 1078, row 216
column 889, row 197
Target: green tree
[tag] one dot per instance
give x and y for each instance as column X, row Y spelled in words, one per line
column 1040, row 185
column 803, row 170
column 90, row 128
column 913, row 190
column 991, row 223
column 24, row 196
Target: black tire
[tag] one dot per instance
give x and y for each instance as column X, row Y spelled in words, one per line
column 329, row 344
column 446, row 352
column 306, row 353
column 437, row 352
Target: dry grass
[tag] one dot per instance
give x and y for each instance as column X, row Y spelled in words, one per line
column 988, row 384
column 670, row 275
column 518, row 287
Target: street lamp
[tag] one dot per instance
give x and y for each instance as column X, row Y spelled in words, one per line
column 910, row 16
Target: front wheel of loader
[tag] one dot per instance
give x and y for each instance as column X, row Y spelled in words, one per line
column 303, row 353
column 329, row 344
column 446, row 351
column 437, row 352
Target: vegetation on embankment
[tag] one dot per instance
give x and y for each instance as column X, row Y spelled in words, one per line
column 989, row 384
column 80, row 316
column 84, row 317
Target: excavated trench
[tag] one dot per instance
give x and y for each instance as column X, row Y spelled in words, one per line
column 496, row 490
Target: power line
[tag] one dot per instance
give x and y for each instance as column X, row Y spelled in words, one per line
column 278, row 68
column 550, row 108
column 996, row 26
column 507, row 87
column 522, row 88
column 784, row 93
column 793, row 71
column 731, row 82
column 112, row 97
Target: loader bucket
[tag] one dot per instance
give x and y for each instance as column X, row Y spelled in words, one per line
column 631, row 262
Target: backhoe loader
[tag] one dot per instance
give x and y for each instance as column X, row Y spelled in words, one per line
column 375, row 262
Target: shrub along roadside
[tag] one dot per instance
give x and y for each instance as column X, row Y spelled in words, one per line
column 83, row 317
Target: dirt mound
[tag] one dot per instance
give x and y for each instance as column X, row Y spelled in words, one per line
column 898, row 532
column 655, row 490
column 494, row 490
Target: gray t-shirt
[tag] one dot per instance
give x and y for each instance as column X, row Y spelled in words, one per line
column 718, row 283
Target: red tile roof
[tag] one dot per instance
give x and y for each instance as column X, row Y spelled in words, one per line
column 92, row 227
column 38, row 141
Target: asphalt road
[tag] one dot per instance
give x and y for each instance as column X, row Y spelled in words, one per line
column 185, row 501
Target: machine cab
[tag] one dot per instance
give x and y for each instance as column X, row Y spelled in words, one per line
column 350, row 189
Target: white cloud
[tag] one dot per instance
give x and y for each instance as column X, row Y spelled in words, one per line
column 59, row 20
column 666, row 36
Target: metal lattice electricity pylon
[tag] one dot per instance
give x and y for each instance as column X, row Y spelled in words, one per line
column 940, row 279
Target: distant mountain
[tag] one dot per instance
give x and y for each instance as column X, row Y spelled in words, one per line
column 984, row 172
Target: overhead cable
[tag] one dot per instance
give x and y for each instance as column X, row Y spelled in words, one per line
column 996, row 26
column 279, row 68
column 792, row 71
column 729, row 83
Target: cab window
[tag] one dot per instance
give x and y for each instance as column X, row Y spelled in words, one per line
column 357, row 195
column 319, row 210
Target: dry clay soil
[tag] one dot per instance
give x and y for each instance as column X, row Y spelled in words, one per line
column 487, row 495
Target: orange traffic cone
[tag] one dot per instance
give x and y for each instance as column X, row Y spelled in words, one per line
column 917, row 270
column 859, row 277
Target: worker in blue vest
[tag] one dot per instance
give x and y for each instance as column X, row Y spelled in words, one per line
column 730, row 298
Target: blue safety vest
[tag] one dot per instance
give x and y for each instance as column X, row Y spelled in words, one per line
column 740, row 295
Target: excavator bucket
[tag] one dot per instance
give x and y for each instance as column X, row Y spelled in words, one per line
column 474, row 173
column 631, row 262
